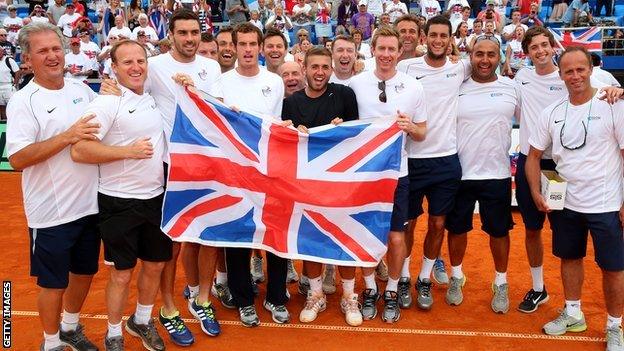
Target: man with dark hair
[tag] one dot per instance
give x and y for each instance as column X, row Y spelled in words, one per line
column 592, row 163
column 434, row 168
column 130, row 194
column 227, row 54
column 408, row 27
column 600, row 74
column 322, row 103
column 60, row 196
column 344, row 54
column 274, row 49
column 260, row 92
column 208, row 46
column 386, row 92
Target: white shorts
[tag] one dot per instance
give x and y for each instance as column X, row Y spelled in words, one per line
column 6, row 91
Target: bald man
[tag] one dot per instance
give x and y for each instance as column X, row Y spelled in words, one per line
column 292, row 74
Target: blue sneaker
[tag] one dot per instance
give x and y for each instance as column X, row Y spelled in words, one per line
column 205, row 314
column 178, row 332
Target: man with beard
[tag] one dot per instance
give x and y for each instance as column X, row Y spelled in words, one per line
column 344, row 55
column 226, row 55
column 321, row 103
column 484, row 123
column 408, row 27
column 386, row 92
column 184, row 31
column 294, row 80
column 434, row 168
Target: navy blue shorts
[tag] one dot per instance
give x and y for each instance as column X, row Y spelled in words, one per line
column 131, row 229
column 436, row 178
column 56, row 251
column 570, row 237
column 532, row 217
column 399, row 210
column 494, row 196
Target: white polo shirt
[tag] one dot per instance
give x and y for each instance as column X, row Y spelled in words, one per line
column 57, row 190
column 149, row 32
column 484, row 124
column 66, row 22
column 403, row 93
column 261, row 95
column 161, row 87
column 441, row 86
column 123, row 120
column 594, row 171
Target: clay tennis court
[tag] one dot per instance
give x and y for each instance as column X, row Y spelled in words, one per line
column 471, row 326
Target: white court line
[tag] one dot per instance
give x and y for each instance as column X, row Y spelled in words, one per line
column 372, row 330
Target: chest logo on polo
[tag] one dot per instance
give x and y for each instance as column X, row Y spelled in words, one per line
column 593, row 118
column 553, row 88
column 451, row 75
column 51, row 110
column 399, row 87
column 132, row 111
column 266, row 91
column 496, row 94
column 203, row 74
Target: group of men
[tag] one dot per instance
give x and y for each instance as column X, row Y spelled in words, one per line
column 93, row 170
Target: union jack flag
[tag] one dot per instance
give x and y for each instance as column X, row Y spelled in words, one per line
column 236, row 180
column 590, row 38
column 323, row 16
column 158, row 21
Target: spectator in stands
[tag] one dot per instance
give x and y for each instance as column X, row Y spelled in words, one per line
column 4, row 10
column 264, row 12
column 300, row 35
column 12, row 24
column 614, row 46
column 77, row 64
column 363, row 49
column 532, row 19
column 302, row 16
column 461, row 40
column 92, row 50
column 32, row 4
column 510, row 29
column 133, row 14
column 454, row 10
column 144, row 27
column 157, row 13
column 164, row 45
column 237, row 11
column 144, row 40
column 204, row 12
column 304, row 46
column 82, row 24
column 558, row 10
column 525, row 6
column 601, row 75
column 8, row 69
column 384, row 20
column 255, row 20
column 608, row 5
column 67, row 20
column 515, row 56
column 5, row 45
column 56, row 10
column 576, row 9
column 322, row 21
column 475, row 8
column 108, row 19
column 281, row 22
column 363, row 21
column 120, row 29
column 490, row 14
column 465, row 18
column 346, row 10
column 395, row 9
column 39, row 15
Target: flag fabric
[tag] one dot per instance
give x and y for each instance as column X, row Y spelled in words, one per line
column 590, row 38
column 158, row 21
column 237, row 180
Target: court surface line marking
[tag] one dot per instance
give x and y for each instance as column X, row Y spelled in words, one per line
column 466, row 333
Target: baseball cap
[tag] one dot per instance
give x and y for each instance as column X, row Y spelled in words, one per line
column 11, row 8
column 74, row 40
column 141, row 33
column 490, row 2
column 38, row 7
column 70, row 5
column 362, row 3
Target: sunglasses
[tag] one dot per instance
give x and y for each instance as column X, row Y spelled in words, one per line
column 382, row 96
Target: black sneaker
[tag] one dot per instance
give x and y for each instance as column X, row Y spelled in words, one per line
column 532, row 300
column 404, row 292
column 148, row 334
column 391, row 312
column 76, row 339
column 369, row 304
column 116, row 343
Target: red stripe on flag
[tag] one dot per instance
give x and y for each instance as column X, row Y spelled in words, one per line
column 218, row 122
column 365, row 150
column 201, row 209
column 339, row 234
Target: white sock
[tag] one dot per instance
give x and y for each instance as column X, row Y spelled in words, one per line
column 538, row 278
column 114, row 330
column 316, row 285
column 613, row 322
column 143, row 313
column 405, row 270
column 500, row 278
column 427, row 267
column 194, row 290
column 70, row 321
column 221, row 278
column 456, row 272
column 348, row 287
column 51, row 341
column 392, row 284
column 573, row 308
column 369, row 281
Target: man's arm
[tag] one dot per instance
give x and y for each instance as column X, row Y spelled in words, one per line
column 93, row 151
column 533, row 170
column 40, row 151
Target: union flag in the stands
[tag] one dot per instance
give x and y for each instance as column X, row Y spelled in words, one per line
column 236, row 180
column 590, row 38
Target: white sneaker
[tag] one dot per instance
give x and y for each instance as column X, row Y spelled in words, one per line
column 351, row 309
column 314, row 304
column 615, row 339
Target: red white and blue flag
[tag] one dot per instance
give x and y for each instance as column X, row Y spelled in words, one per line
column 590, row 38
column 158, row 21
column 236, row 180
